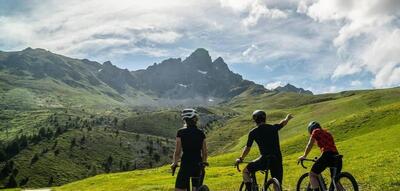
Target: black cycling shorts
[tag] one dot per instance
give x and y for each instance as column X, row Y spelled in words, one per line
column 187, row 172
column 327, row 159
column 274, row 164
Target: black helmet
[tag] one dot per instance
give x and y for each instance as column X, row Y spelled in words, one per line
column 313, row 125
column 259, row 116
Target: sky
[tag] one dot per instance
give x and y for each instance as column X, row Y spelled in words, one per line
column 320, row 45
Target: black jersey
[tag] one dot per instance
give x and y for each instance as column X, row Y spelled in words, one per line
column 192, row 142
column 267, row 138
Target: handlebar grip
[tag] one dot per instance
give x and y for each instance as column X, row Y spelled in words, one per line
column 303, row 164
column 237, row 167
column 173, row 171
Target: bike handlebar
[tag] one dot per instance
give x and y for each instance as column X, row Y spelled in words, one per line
column 237, row 166
column 202, row 165
column 174, row 169
column 311, row 160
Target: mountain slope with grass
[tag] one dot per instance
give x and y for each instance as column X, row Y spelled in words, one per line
column 64, row 119
column 365, row 125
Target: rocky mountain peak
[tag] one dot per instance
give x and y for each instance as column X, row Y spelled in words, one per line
column 200, row 59
column 291, row 88
column 196, row 76
column 220, row 64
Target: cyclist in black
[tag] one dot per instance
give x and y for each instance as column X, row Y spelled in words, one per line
column 267, row 138
column 191, row 143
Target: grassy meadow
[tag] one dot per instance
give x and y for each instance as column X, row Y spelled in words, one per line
column 365, row 124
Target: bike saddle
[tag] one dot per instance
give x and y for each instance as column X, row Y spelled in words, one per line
column 338, row 156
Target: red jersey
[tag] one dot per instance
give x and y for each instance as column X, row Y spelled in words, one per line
column 324, row 140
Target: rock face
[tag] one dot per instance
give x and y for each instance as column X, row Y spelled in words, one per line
column 116, row 78
column 292, row 88
column 196, row 76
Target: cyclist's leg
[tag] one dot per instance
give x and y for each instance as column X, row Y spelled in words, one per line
column 247, row 178
column 337, row 164
column 251, row 168
column 276, row 169
column 320, row 165
column 182, row 180
column 195, row 174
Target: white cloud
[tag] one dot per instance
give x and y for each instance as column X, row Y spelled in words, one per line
column 369, row 38
column 345, row 69
column 259, row 11
column 255, row 10
column 77, row 28
column 273, row 85
column 382, row 58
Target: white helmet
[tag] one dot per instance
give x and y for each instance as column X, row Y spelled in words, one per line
column 188, row 113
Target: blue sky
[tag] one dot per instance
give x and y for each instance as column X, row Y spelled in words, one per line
column 321, row 45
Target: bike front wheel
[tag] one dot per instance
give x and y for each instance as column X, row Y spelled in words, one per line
column 272, row 185
column 243, row 187
column 303, row 184
column 346, row 181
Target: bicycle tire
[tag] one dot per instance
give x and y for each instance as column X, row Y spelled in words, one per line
column 349, row 177
column 243, row 187
column 301, row 179
column 203, row 188
column 274, row 183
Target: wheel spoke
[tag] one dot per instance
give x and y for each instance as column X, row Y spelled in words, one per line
column 345, row 184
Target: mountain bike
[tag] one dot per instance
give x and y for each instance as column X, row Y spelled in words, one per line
column 271, row 184
column 202, row 187
column 342, row 182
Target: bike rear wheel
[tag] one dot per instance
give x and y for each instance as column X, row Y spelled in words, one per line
column 203, row 188
column 243, row 187
column 272, row 185
column 346, row 181
column 303, row 184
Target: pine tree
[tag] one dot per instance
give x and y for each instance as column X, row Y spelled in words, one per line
column 12, row 183
column 35, row 158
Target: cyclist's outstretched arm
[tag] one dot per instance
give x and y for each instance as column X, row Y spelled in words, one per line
column 285, row 121
column 204, row 151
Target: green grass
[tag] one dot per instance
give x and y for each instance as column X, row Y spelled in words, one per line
column 365, row 125
column 86, row 159
column 374, row 166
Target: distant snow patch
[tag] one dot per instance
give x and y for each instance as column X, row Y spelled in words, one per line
column 202, row 72
column 183, row 85
column 210, row 100
column 99, row 70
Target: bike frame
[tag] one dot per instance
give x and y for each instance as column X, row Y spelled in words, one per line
column 254, row 179
column 322, row 183
column 321, row 180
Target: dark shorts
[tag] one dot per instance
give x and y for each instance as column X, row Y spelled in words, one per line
column 327, row 159
column 274, row 164
column 187, row 172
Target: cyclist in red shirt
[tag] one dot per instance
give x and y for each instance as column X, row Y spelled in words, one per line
column 328, row 149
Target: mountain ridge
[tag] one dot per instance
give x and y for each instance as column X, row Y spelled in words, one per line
column 195, row 77
column 291, row 88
